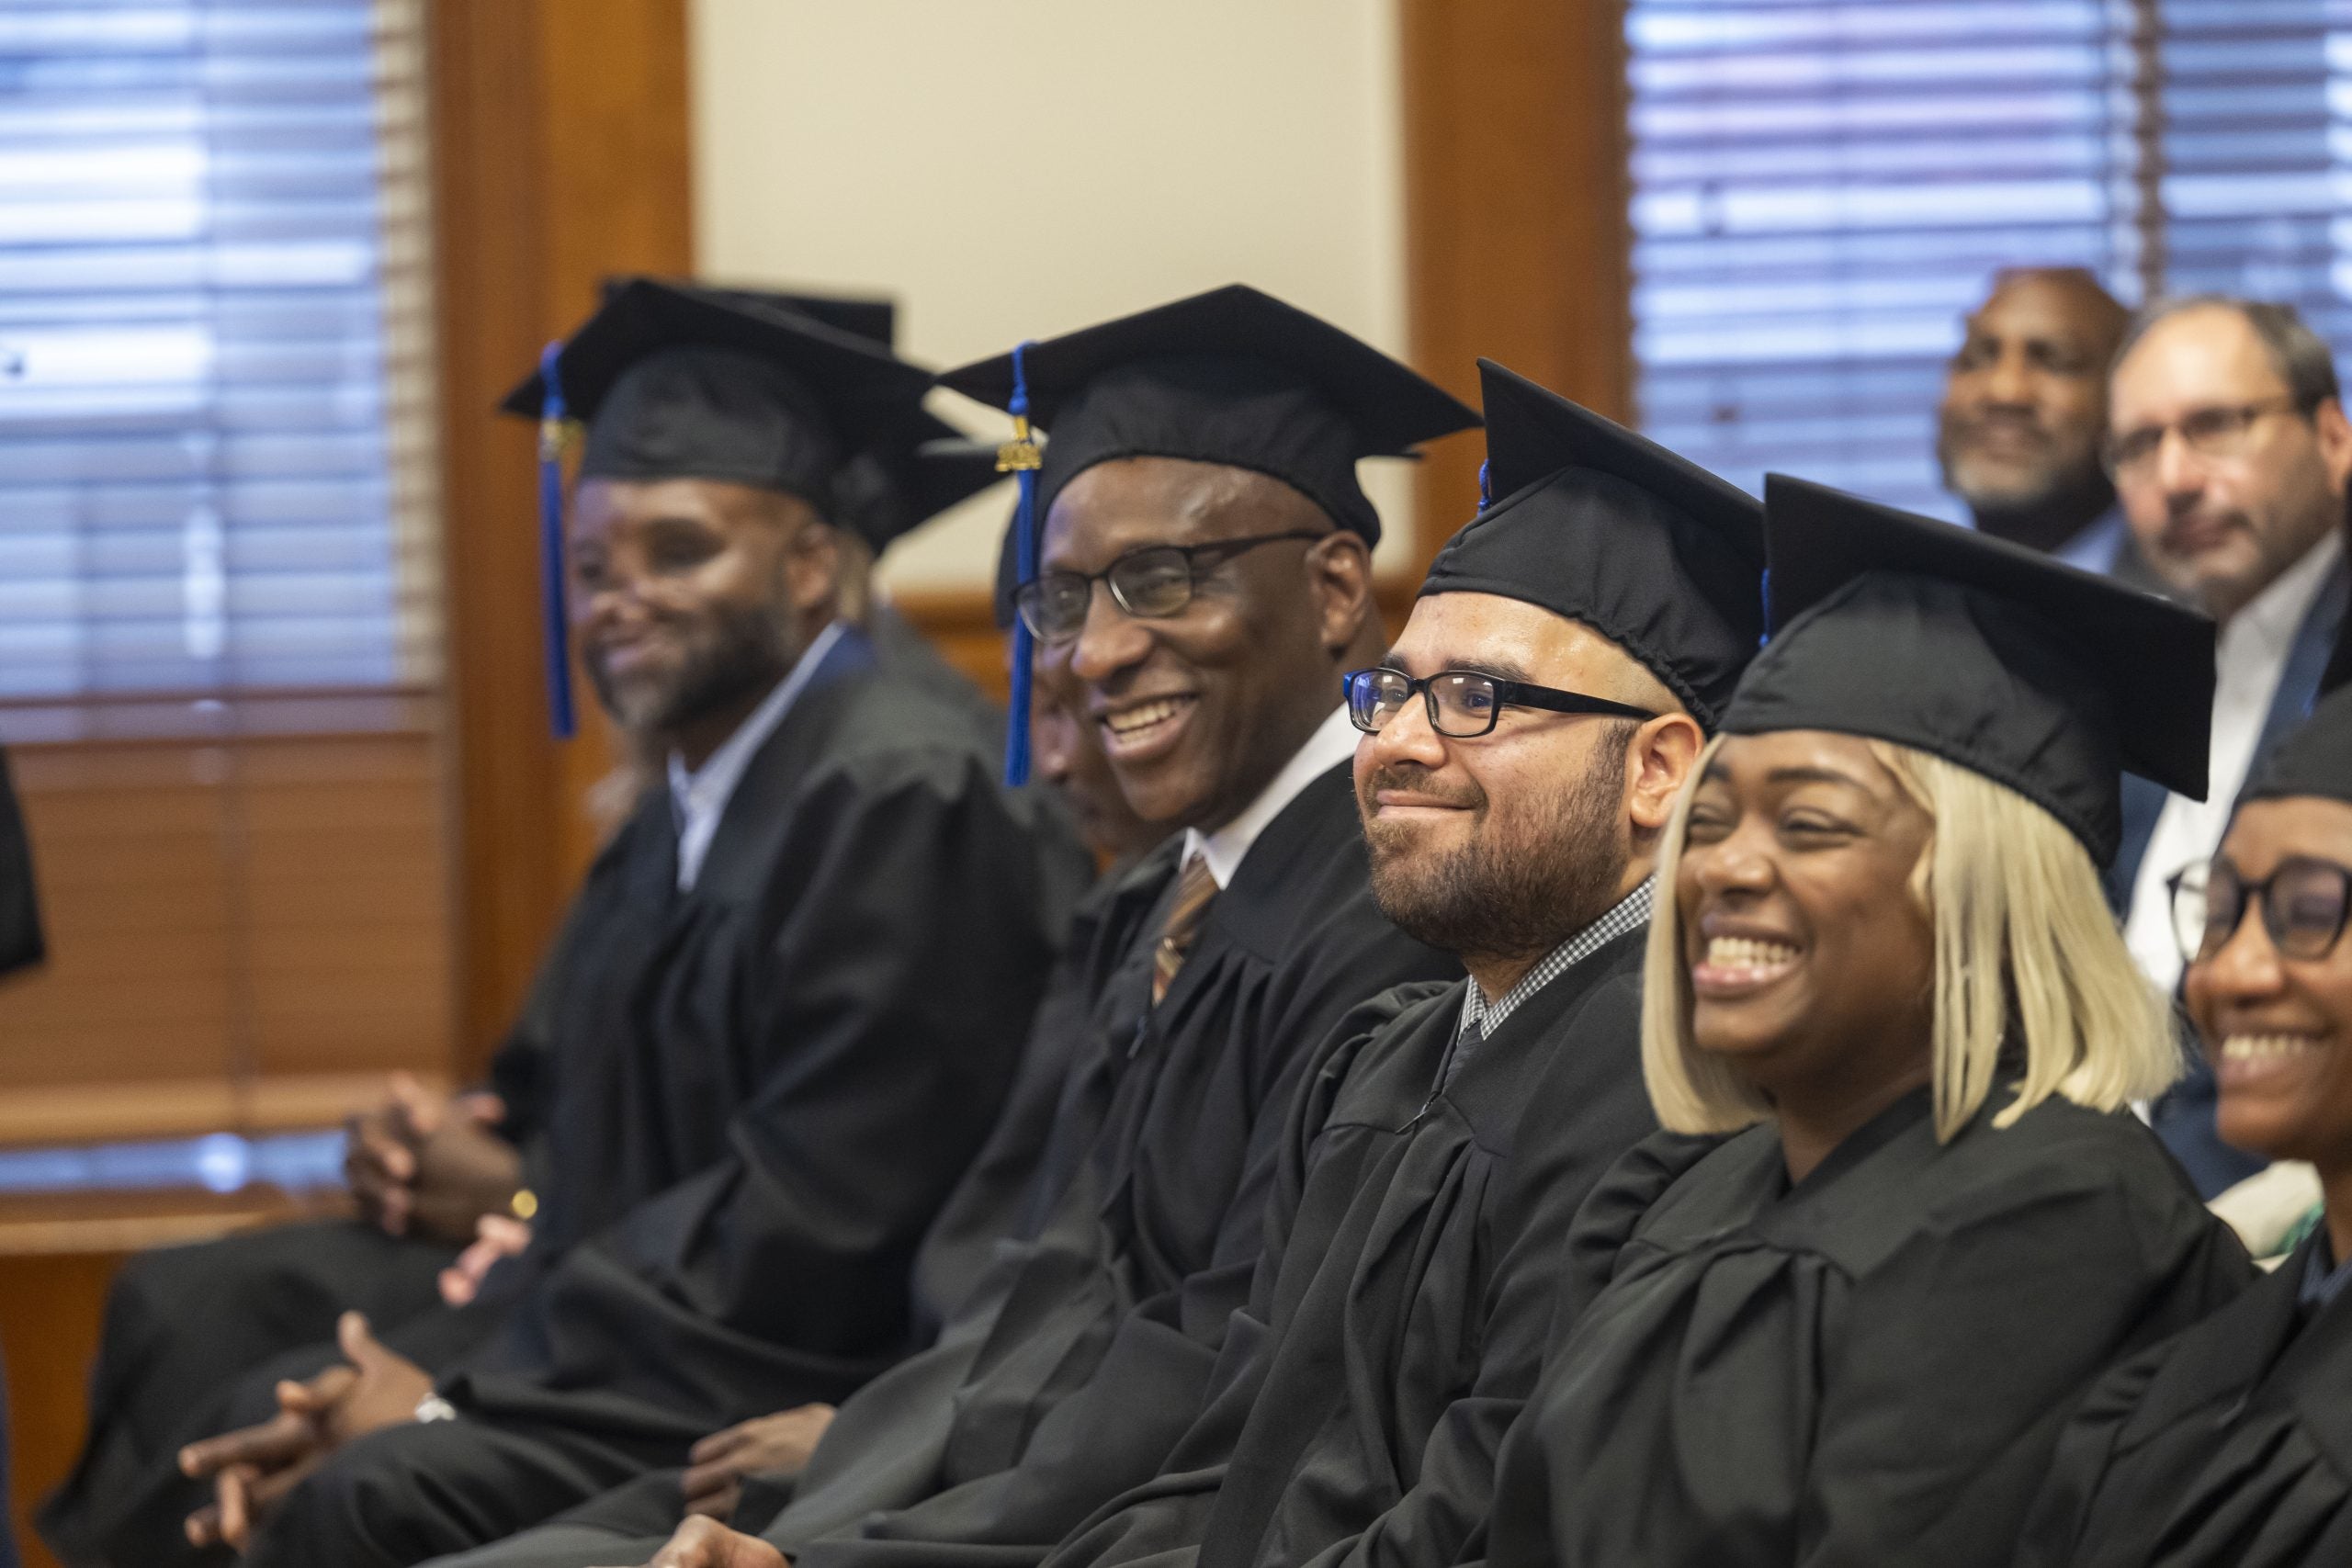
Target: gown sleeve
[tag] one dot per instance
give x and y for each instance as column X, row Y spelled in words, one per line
column 1542, row 1278
column 1949, row 1367
column 893, row 991
column 1163, row 1521
column 1597, row 1234
column 1118, row 1431
column 2085, row 1446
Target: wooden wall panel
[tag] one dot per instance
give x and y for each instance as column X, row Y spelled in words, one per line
column 560, row 133
column 1517, row 244
column 222, row 914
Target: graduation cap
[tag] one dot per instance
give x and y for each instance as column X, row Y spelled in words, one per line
column 1605, row 527
column 1233, row 377
column 676, row 381
column 2021, row 668
column 2315, row 757
column 899, row 483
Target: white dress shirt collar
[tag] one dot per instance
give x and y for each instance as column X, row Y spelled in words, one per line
column 698, row 797
column 1333, row 742
column 2249, row 658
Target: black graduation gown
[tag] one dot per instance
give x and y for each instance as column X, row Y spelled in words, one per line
column 2227, row 1447
column 1869, row 1367
column 1087, row 1346
column 1402, row 1306
column 774, row 1076
column 20, row 941
column 905, row 652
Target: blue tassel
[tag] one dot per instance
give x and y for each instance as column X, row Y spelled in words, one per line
column 1019, row 457
column 558, row 629
column 1486, row 487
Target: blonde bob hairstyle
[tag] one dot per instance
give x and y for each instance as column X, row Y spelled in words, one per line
column 2025, row 947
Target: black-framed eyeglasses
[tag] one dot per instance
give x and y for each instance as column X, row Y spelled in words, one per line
column 1151, row 583
column 2304, row 904
column 1461, row 704
column 2211, row 432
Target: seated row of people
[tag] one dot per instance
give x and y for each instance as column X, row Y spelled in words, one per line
column 1575, row 1088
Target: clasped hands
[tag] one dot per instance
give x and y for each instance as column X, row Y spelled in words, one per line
column 254, row 1467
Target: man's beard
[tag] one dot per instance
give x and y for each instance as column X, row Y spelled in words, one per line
column 1514, row 893
column 2062, row 483
column 729, row 653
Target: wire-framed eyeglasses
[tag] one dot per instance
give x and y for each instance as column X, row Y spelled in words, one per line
column 1151, row 583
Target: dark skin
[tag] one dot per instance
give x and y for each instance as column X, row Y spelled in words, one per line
column 2025, row 407
column 660, row 566
column 691, row 598
column 1801, row 852
column 430, row 1165
column 1250, row 667
column 1069, row 757
column 2291, row 1099
column 660, row 569
column 254, row 1467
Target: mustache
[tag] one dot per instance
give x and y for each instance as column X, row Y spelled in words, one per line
column 1414, row 777
column 1977, row 424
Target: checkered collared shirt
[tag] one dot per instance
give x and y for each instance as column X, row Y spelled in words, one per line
column 1481, row 1017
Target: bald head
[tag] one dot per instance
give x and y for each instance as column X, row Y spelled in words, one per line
column 2025, row 405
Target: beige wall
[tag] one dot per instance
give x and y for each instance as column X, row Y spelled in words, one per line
column 1018, row 170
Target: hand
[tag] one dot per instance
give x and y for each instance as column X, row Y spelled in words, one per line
column 778, row 1444
column 381, row 1150
column 465, row 1170
column 495, row 1236
column 704, row 1543
column 252, row 1469
column 423, row 1163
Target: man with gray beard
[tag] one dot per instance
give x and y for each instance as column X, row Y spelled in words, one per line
column 1522, row 744
column 2024, row 412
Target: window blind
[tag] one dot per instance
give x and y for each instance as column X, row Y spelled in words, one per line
column 215, row 464
column 1820, row 191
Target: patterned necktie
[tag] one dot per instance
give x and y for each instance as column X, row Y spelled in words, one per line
column 1195, row 889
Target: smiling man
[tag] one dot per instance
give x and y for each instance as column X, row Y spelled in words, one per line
column 1206, row 579
column 1523, row 742
column 778, row 1022
column 2232, row 456
column 2024, row 413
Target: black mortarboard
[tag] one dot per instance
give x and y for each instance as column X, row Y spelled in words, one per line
column 677, row 381
column 1232, row 376
column 2313, row 758
column 904, row 480
column 2040, row 677
column 1601, row 526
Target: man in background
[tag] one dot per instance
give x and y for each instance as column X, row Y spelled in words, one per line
column 2024, row 413
column 2231, row 453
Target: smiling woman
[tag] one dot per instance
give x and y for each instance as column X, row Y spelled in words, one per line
column 2219, row 1447
column 1846, row 1327
column 1918, row 923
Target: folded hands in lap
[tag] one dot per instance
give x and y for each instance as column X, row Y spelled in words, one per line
column 252, row 1469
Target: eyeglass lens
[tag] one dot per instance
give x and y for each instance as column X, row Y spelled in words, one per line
column 1150, row 583
column 2303, row 907
column 1460, row 705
